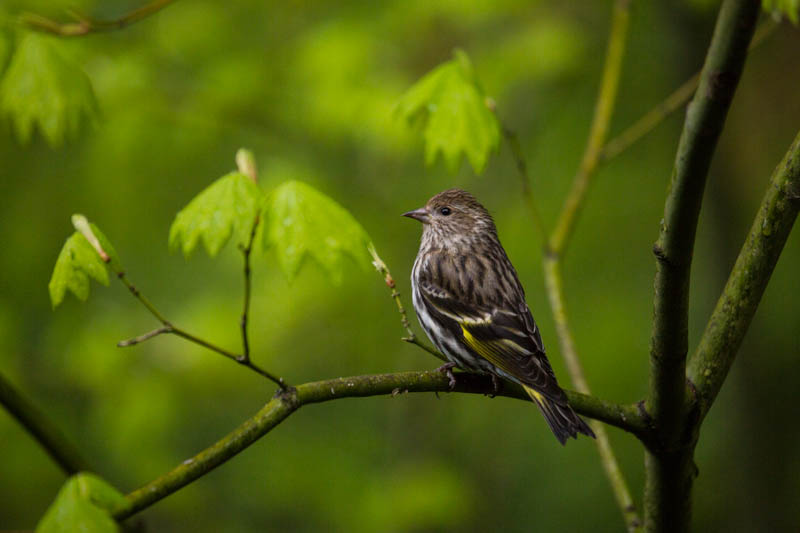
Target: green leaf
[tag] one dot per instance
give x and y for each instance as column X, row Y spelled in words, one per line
column 451, row 106
column 302, row 221
column 43, row 90
column 77, row 262
column 226, row 207
column 790, row 8
column 82, row 504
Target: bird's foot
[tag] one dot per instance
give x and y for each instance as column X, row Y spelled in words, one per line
column 447, row 370
column 495, row 386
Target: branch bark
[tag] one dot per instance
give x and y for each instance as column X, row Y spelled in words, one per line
column 731, row 318
column 669, row 461
column 41, row 428
column 284, row 403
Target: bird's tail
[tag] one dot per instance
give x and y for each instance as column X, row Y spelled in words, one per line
column 560, row 417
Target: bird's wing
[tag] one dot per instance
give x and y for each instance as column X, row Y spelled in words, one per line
column 507, row 338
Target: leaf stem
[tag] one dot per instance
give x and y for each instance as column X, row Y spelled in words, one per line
column 42, row 429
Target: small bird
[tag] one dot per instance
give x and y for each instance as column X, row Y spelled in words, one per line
column 472, row 306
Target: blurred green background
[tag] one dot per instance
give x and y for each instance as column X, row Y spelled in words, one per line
column 310, row 87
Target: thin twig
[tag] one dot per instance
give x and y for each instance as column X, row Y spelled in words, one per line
column 512, row 139
column 174, row 330
column 41, row 428
column 285, row 403
column 85, row 25
column 145, row 336
column 381, row 267
column 247, row 289
column 672, row 103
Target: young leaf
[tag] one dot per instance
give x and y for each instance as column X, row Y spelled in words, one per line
column 226, row 207
column 82, row 504
column 76, row 263
column 43, row 90
column 300, row 220
column 790, row 8
column 450, row 104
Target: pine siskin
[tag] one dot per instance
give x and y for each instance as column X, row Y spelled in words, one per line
column 472, row 306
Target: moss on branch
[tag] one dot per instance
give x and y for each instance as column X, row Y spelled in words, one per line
column 286, row 402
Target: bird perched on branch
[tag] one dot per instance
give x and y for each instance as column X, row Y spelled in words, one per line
column 472, row 306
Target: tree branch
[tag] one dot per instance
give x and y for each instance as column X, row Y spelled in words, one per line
column 84, row 25
column 731, row 318
column 670, row 469
column 560, row 237
column 613, row 472
column 42, row 429
column 286, row 402
column 671, row 103
column 604, row 107
column 174, row 330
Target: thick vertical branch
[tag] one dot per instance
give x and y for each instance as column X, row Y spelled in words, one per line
column 669, row 465
column 728, row 324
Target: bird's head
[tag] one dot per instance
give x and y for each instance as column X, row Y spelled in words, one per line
column 454, row 216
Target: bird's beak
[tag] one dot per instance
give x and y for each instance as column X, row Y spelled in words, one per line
column 420, row 214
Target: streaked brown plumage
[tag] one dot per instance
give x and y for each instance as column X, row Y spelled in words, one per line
column 472, row 306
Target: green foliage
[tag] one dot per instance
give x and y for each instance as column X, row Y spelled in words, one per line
column 5, row 48
column 41, row 89
column 82, row 505
column 77, row 262
column 452, row 108
column 226, row 207
column 789, row 8
column 301, row 220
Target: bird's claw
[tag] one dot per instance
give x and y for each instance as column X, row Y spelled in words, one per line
column 495, row 386
column 447, row 370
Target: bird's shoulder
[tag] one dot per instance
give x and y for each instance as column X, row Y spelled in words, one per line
column 480, row 278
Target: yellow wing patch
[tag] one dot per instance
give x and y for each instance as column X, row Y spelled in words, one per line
column 492, row 351
column 536, row 396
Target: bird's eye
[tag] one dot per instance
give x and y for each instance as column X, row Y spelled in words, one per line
column 445, row 211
